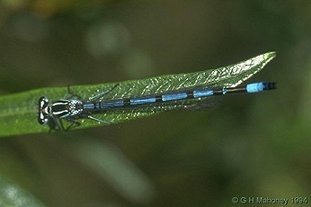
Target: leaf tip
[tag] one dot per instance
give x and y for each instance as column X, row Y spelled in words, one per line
column 269, row 55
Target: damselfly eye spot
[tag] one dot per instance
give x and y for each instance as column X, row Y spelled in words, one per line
column 43, row 102
column 42, row 119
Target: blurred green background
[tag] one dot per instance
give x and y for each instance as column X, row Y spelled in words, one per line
column 247, row 145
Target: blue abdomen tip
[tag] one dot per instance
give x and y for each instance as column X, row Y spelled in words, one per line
column 255, row 87
column 260, row 86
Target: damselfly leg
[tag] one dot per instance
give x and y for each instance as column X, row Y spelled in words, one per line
column 98, row 97
column 72, row 94
column 96, row 119
column 55, row 124
column 92, row 98
column 73, row 124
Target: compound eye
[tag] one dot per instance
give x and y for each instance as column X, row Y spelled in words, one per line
column 43, row 118
column 43, row 102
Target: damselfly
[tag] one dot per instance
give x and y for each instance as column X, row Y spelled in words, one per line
column 74, row 108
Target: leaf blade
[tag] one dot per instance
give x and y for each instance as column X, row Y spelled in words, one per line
column 18, row 112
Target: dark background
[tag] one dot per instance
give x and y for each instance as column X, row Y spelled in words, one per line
column 247, row 145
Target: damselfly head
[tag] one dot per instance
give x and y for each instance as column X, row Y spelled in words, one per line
column 43, row 109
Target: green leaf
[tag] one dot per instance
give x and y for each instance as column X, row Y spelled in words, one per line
column 18, row 112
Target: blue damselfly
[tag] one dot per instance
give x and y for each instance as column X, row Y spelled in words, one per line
column 74, row 108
